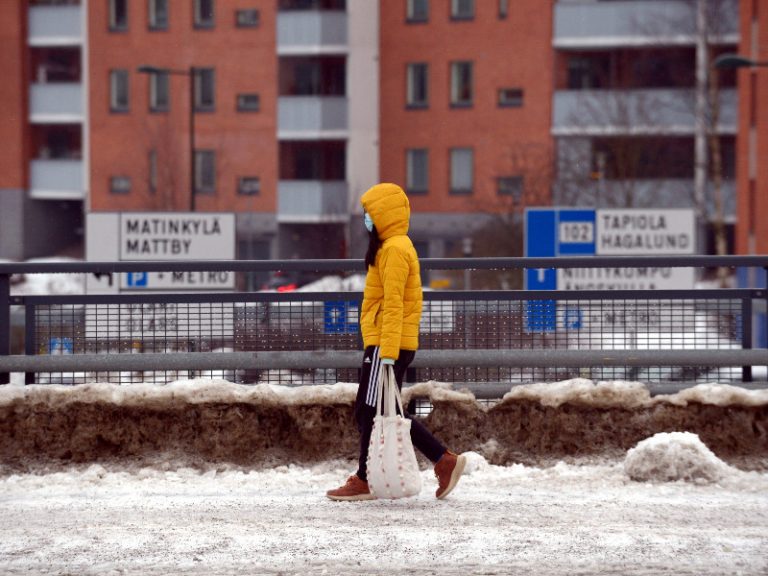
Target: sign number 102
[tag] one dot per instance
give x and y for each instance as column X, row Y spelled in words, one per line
column 577, row 232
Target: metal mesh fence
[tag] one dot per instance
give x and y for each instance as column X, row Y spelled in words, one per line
column 301, row 322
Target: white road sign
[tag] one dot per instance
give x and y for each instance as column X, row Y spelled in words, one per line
column 631, row 232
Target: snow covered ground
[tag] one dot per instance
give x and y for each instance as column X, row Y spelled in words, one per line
column 578, row 518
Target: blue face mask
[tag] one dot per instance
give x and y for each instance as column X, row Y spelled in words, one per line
column 368, row 222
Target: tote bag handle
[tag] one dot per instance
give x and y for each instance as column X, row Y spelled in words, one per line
column 388, row 393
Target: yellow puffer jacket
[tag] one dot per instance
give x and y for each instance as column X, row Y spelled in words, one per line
column 392, row 299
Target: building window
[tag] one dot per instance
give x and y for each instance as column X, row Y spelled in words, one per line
column 118, row 15
column 417, row 11
column 511, row 97
column 510, row 186
column 205, row 172
column 503, row 9
column 462, row 9
column 248, row 102
column 417, row 82
column 118, row 91
column 119, row 184
column 205, row 89
column 158, row 92
column 204, row 13
column 152, row 172
column 247, row 18
column 249, row 186
column 417, row 171
column 462, row 161
column 461, row 84
column 158, row 14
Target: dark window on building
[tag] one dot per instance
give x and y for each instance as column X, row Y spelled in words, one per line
column 462, row 9
column 247, row 18
column 120, row 185
column 461, row 84
column 205, row 172
column 118, row 15
column 510, row 186
column 152, row 176
column 503, row 9
column 417, row 171
column 158, row 92
column 511, row 97
column 312, row 76
column 417, row 11
column 417, row 84
column 313, row 160
column 118, row 91
column 205, row 89
column 642, row 158
column 462, row 170
column 248, row 102
column 284, row 5
column 205, row 13
column 158, row 14
column 249, row 186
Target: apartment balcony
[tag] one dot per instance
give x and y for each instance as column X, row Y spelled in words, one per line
column 311, row 117
column 664, row 193
column 635, row 112
column 55, row 25
column 312, row 201
column 57, row 180
column 311, row 32
column 56, row 103
column 636, row 23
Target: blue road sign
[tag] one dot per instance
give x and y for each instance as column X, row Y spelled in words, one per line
column 60, row 346
column 137, row 279
column 341, row 317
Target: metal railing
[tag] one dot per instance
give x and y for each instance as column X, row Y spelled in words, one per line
column 486, row 340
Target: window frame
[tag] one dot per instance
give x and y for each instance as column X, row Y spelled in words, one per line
column 515, row 191
column 518, row 101
column 200, row 75
column 152, row 171
column 155, row 81
column 411, row 185
column 152, row 11
column 241, row 188
column 205, row 158
column 247, row 11
column 412, row 16
column 410, row 85
column 112, row 15
column 456, row 83
column 457, row 15
column 503, row 9
column 120, row 190
column 242, row 107
column 452, row 167
column 199, row 20
column 115, row 76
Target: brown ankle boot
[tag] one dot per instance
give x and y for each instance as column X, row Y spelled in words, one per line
column 354, row 489
column 448, row 471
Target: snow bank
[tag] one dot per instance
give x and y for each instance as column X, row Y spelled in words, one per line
column 218, row 421
column 674, row 456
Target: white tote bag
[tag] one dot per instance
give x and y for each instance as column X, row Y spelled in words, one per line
column 393, row 471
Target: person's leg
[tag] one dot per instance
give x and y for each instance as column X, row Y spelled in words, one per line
column 365, row 412
column 421, row 437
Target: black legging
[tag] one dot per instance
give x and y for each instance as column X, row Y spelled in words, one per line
column 365, row 411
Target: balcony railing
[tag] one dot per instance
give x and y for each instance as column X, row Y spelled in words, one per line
column 637, row 23
column 56, row 103
column 57, row 180
column 605, row 112
column 55, row 25
column 311, row 201
column 307, row 117
column 311, row 32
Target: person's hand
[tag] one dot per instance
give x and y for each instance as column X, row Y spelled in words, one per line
column 388, row 361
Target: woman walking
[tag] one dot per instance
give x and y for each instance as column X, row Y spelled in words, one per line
column 389, row 321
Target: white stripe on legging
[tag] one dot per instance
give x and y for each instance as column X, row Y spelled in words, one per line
column 373, row 378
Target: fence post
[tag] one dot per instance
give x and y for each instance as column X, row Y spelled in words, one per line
column 30, row 338
column 746, row 333
column 5, row 322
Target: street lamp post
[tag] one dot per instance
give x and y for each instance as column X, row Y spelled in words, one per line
column 190, row 72
column 732, row 61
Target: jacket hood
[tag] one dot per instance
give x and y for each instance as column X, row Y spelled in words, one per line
column 389, row 209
